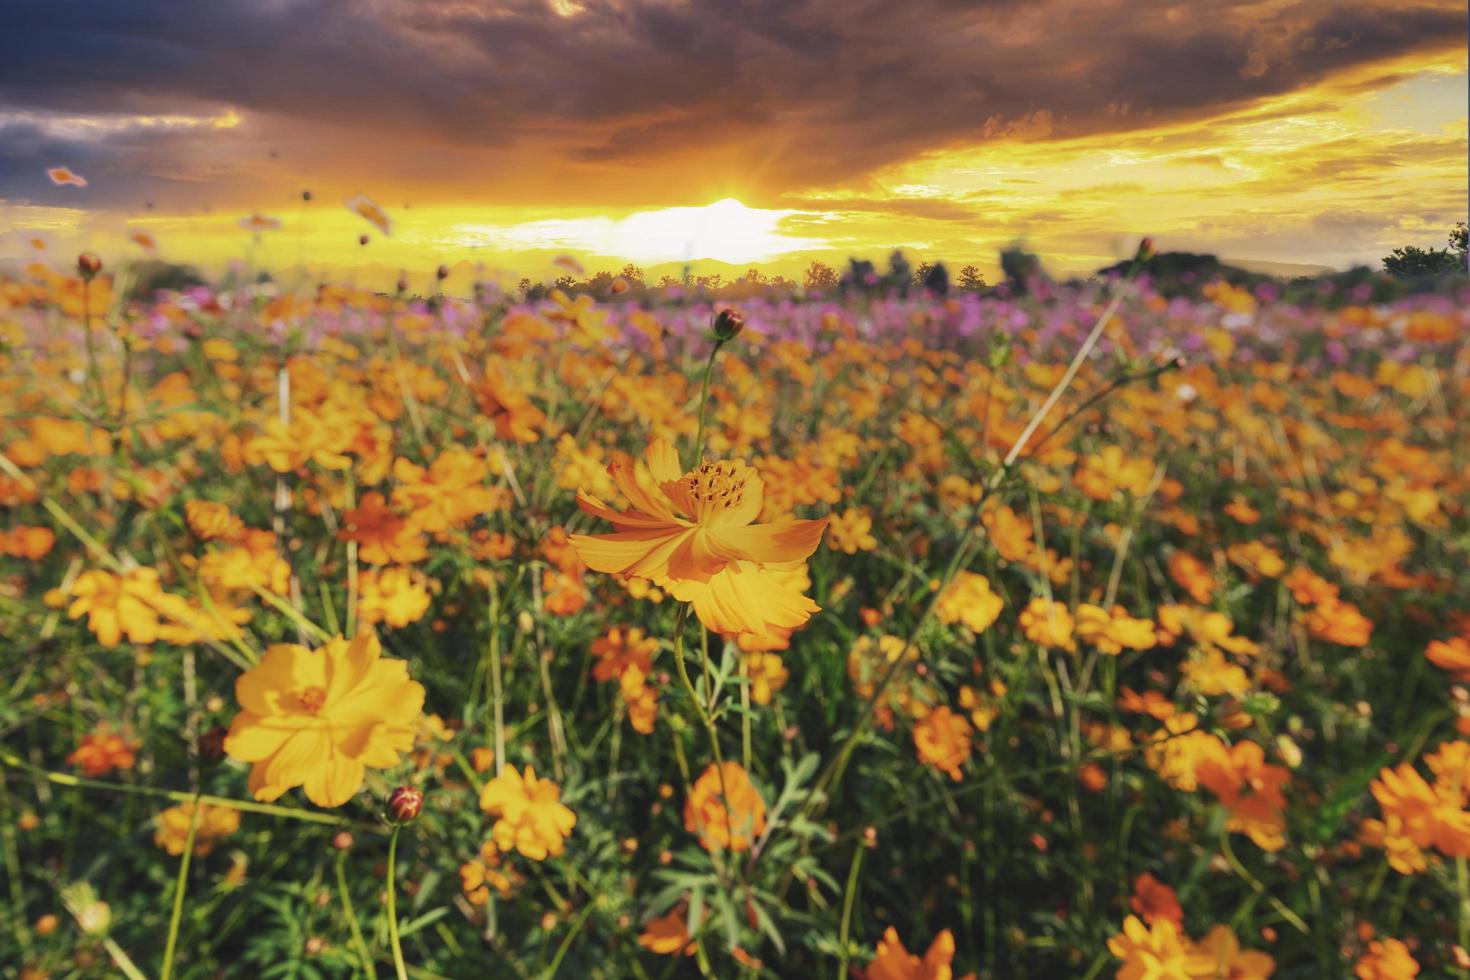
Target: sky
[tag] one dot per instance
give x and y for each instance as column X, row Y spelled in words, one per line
column 745, row 132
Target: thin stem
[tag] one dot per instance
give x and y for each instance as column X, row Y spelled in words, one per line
column 357, row 940
column 1256, row 886
column 393, row 905
column 849, row 895
column 1462, row 887
column 497, row 697
column 709, row 368
column 249, row 806
column 180, row 884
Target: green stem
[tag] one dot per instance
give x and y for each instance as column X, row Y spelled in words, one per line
column 357, row 940
column 849, row 895
column 180, row 885
column 1256, row 886
column 1462, row 887
column 249, row 806
column 497, row 697
column 709, row 368
column 12, row 867
column 393, row 905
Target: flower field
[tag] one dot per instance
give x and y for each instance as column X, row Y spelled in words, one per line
column 1089, row 634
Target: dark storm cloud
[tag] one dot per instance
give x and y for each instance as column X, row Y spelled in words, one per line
column 778, row 92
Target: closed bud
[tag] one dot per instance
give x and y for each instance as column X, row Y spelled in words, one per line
column 306, row 196
column 728, row 324
column 406, row 803
column 342, row 841
column 212, row 745
column 402, row 284
column 362, row 239
column 89, row 264
column 441, row 273
column 1145, row 250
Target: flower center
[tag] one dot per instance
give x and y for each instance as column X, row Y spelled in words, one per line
column 713, row 487
column 312, row 699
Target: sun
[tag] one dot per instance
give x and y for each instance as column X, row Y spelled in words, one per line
column 725, row 231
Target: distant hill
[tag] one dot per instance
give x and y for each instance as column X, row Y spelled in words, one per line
column 1284, row 270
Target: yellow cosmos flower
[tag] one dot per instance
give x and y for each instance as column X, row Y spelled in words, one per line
column 691, row 534
column 532, row 818
column 214, row 823
column 319, row 718
column 968, row 600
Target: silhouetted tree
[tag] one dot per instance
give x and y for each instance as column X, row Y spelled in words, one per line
column 1022, row 270
column 819, row 275
column 971, row 281
column 936, row 279
column 633, row 276
column 921, row 272
column 1412, row 262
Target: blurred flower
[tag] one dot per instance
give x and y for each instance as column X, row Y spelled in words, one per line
column 102, row 751
column 530, row 816
column 214, row 823
column 725, row 809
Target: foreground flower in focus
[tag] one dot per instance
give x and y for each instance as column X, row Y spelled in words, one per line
column 725, row 809
column 691, row 533
column 532, row 818
column 894, row 962
column 319, row 718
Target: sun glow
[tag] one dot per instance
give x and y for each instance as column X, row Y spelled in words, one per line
column 726, row 231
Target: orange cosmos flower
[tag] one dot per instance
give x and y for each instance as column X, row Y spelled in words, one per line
column 531, row 817
column 102, row 751
column 621, row 648
column 1388, row 959
column 363, row 207
column 692, row 535
column 66, row 177
column 319, row 718
column 1155, row 900
column 894, row 962
column 667, row 935
column 725, row 809
column 942, row 739
column 260, row 222
column 1452, row 655
column 1193, row 576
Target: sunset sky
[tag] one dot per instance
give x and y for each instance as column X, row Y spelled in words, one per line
column 765, row 132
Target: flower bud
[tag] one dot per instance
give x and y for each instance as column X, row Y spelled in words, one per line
column 89, row 264
column 1145, row 250
column 362, row 239
column 211, row 745
column 306, row 196
column 342, row 841
column 441, row 273
column 728, row 324
column 402, row 284
column 406, row 803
